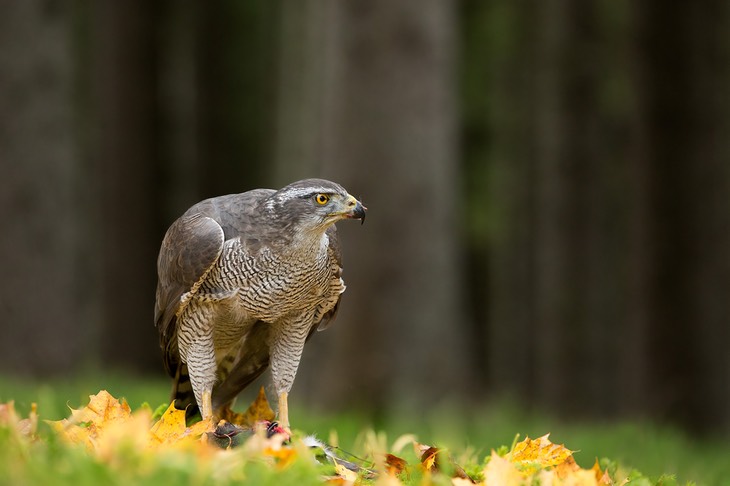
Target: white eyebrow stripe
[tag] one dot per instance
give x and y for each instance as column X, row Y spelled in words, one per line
column 304, row 191
column 293, row 193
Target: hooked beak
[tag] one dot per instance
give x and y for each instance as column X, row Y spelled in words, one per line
column 357, row 210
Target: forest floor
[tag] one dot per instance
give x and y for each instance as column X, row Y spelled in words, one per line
column 464, row 440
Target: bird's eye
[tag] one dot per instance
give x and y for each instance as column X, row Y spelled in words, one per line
column 322, row 199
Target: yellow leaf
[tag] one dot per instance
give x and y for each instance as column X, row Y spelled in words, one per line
column 258, row 411
column 101, row 410
column 602, row 477
column 283, row 455
column 170, row 428
column 428, row 456
column 502, row 472
column 74, row 434
column 540, row 453
column 87, row 424
column 581, row 477
column 429, row 459
column 129, row 434
column 197, row 429
column 344, row 473
column 566, row 468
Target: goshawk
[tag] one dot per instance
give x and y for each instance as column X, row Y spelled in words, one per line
column 244, row 280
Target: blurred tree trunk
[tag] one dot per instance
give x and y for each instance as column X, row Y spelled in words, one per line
column 607, row 232
column 217, row 83
column 552, row 228
column 304, row 80
column 498, row 58
column 126, row 110
column 682, row 79
column 183, row 95
column 575, row 266
column 48, row 287
column 386, row 116
column 178, row 156
column 710, row 279
column 235, row 54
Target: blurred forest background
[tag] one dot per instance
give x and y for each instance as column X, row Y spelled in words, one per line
column 548, row 184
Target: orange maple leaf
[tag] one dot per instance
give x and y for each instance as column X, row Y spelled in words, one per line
column 170, row 427
column 540, row 453
column 85, row 425
column 258, row 411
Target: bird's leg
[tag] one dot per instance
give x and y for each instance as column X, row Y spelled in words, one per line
column 199, row 356
column 206, row 410
column 284, row 410
column 287, row 342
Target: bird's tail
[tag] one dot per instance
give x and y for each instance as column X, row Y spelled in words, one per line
column 182, row 391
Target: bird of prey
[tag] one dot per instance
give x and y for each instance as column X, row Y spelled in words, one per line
column 244, row 280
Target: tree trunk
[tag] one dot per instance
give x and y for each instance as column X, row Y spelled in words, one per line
column 682, row 79
column 48, row 288
column 390, row 137
column 127, row 152
column 236, row 79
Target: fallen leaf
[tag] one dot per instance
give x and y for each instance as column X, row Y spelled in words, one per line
column 102, row 410
column 109, row 430
column 566, row 468
column 344, row 473
column 258, row 411
column 283, row 455
column 130, row 434
column 602, row 477
column 86, row 425
column 169, row 428
column 581, row 477
column 394, row 465
column 501, row 471
column 540, row 453
column 428, row 456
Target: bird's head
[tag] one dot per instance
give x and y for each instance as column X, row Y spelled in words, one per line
column 314, row 205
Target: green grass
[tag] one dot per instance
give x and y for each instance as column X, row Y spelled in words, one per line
column 469, row 436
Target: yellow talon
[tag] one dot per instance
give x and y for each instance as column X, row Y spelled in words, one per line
column 207, row 411
column 284, row 412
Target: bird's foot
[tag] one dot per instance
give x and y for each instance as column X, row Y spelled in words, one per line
column 284, row 414
column 207, row 425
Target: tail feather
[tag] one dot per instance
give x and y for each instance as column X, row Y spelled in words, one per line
column 182, row 391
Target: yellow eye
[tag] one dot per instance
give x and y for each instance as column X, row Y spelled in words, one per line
column 322, row 199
